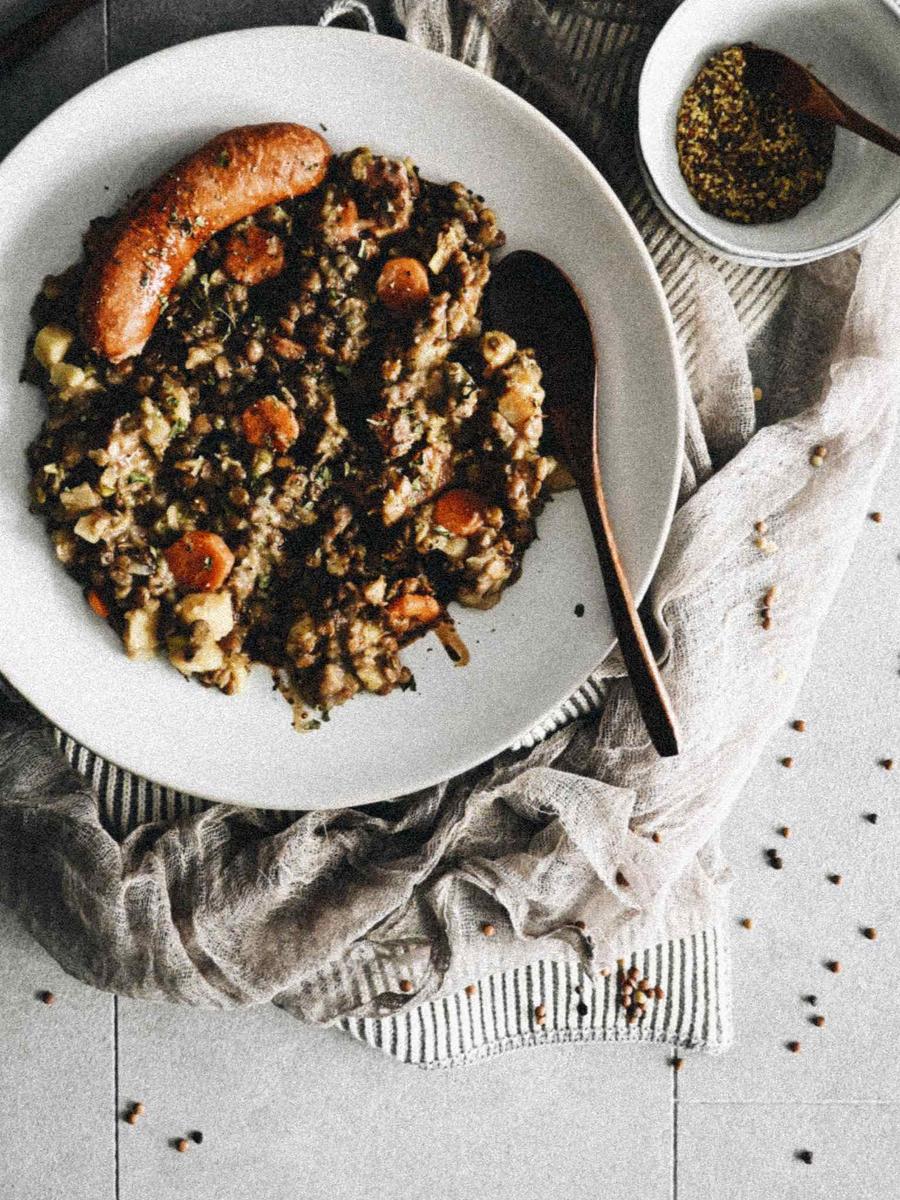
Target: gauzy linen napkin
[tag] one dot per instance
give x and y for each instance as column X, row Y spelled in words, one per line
column 374, row 917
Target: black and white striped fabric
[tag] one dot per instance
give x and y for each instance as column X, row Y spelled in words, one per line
column 499, row 1015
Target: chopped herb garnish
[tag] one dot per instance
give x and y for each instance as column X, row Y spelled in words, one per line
column 224, row 159
column 343, row 370
column 138, row 477
column 178, row 427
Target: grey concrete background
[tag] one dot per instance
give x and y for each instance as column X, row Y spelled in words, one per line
column 288, row 1111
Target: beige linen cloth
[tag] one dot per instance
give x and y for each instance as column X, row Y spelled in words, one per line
column 141, row 891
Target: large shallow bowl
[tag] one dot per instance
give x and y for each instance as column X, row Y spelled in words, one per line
column 528, row 652
column 853, row 46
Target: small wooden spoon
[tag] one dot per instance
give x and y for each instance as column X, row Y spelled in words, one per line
column 772, row 71
column 529, row 298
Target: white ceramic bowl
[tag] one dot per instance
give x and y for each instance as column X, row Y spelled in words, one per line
column 853, row 46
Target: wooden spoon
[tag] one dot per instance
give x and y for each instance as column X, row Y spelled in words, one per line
column 529, row 298
column 772, row 71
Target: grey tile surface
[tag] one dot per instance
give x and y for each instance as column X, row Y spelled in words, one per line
column 57, row 1088
column 850, row 703
column 748, row 1151
column 34, row 88
column 288, row 1111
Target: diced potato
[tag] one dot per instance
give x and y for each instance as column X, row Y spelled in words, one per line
column 157, row 431
column 209, row 657
column 65, row 375
column 51, row 345
column 212, row 607
column 90, row 527
column 497, row 348
column 79, row 499
column 140, row 631
column 517, row 405
column 100, row 524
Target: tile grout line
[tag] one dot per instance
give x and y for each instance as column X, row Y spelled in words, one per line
column 105, row 13
column 116, row 1085
column 674, row 1134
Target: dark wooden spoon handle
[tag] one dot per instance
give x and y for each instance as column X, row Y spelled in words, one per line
column 649, row 689
column 857, row 123
column 21, row 41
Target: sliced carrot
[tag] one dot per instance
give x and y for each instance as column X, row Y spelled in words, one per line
column 200, row 561
column 402, row 285
column 269, row 421
column 95, row 600
column 415, row 607
column 460, row 511
column 253, row 255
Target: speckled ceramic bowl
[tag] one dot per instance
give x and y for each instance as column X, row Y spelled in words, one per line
column 853, row 46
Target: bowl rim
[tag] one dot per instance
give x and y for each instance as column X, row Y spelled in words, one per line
column 675, row 213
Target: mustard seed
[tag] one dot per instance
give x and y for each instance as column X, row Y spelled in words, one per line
column 794, row 1047
column 747, row 922
column 834, row 967
column 678, row 1063
column 633, row 973
column 766, row 622
column 132, row 1118
column 787, row 762
column 540, row 1014
column 870, row 933
column 822, row 451
column 785, row 831
column 770, row 594
column 818, row 1020
column 138, row 1108
column 621, row 880
column 777, row 861
column 800, row 726
column 837, row 880
column 580, row 925
column 182, row 1145
column 816, row 460
column 47, row 998
column 655, row 836
column 406, row 985
column 888, row 764
column 471, row 989
column 877, row 517
column 757, row 394
column 659, row 993
column 488, row 929
column 761, row 527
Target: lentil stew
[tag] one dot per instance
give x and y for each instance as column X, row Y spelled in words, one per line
column 317, row 450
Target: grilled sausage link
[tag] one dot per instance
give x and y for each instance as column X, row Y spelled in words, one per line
column 142, row 256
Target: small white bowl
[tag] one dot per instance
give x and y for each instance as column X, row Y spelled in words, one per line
column 853, row 46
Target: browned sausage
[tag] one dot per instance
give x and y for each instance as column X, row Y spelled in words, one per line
column 146, row 249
